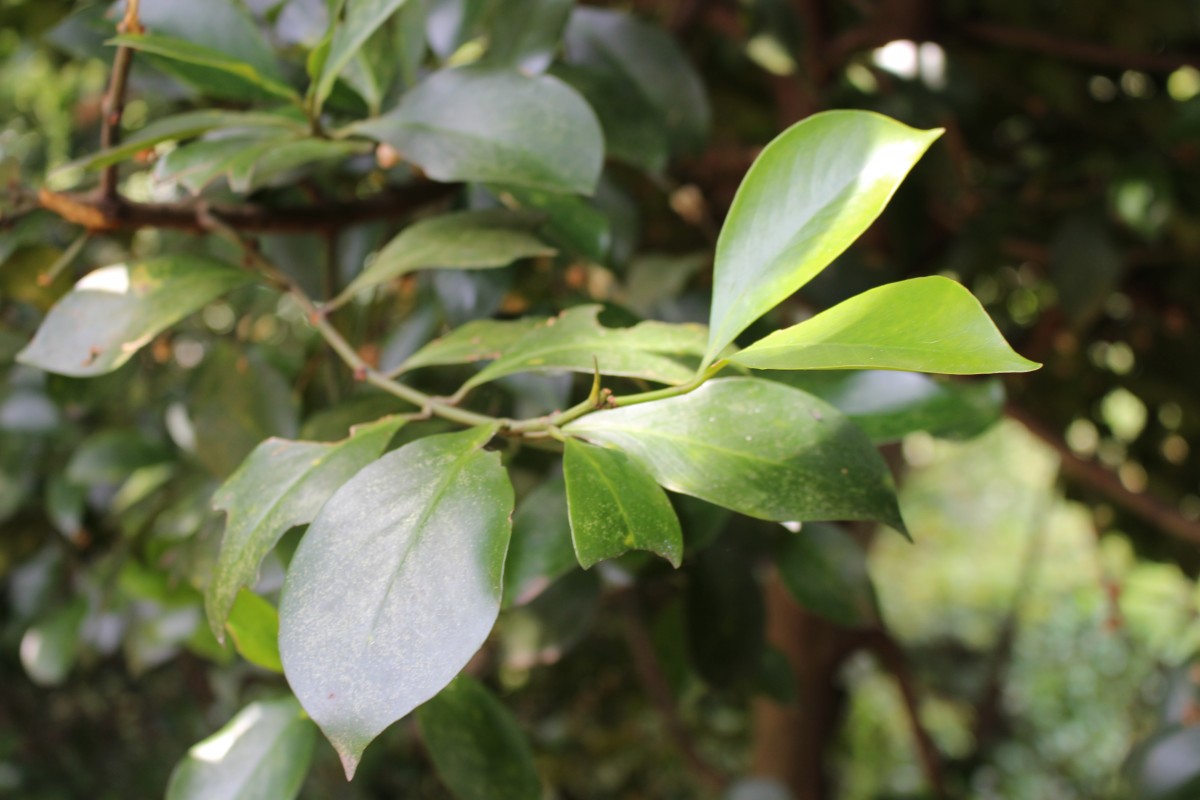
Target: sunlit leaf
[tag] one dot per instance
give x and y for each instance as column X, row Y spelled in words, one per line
column 260, row 754
column 615, row 506
column 479, row 751
column 754, row 446
column 113, row 312
column 253, row 625
column 808, row 196
column 396, row 585
column 922, row 325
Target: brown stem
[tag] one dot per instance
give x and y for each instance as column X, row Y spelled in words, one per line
column 654, row 680
column 1062, row 47
column 1098, row 478
column 113, row 105
column 895, row 662
column 98, row 213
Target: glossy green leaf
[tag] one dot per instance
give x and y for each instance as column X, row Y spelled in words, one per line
column 474, row 124
column 362, row 18
column 253, row 625
column 575, row 341
column 922, row 325
column 757, row 447
column 810, row 193
column 280, row 485
column 479, row 340
column 112, row 312
column 650, row 63
column 889, row 405
column 826, row 571
column 49, row 646
column 185, row 126
column 462, row 240
column 525, row 34
column 396, row 585
column 541, row 551
column 261, row 754
column 183, row 51
column 615, row 506
column 477, row 747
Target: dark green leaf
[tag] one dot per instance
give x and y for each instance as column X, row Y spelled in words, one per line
column 260, row 754
column 725, row 616
column 754, row 446
column 112, row 312
column 526, row 33
column 615, row 506
column 541, row 551
column 826, row 571
column 479, row 125
column 363, row 18
column 280, row 485
column 222, row 25
column 396, row 585
column 650, row 63
column 478, row 749
column 633, row 130
column 573, row 223
column 49, row 646
column 808, row 196
column 922, row 325
column 890, row 405
column 189, row 53
column 254, row 627
column 463, row 240
column 540, row 632
column 576, row 341
column 1085, row 268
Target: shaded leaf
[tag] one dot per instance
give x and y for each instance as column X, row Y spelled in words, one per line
column 525, row 34
column 113, row 312
column 1085, row 268
column 633, row 130
column 363, row 18
column 189, row 53
column 725, row 617
column 280, row 485
column 49, row 646
column 572, row 223
column 576, row 341
column 462, row 240
column 890, row 405
column 810, row 193
column 222, row 25
column 650, row 63
column 757, row 447
column 479, row 751
column 253, row 625
column 474, row 124
column 261, row 754
column 541, row 551
column 542, row 631
column 396, row 585
column 826, row 571
column 615, row 506
column 922, row 325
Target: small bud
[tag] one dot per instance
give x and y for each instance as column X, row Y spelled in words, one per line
column 386, row 156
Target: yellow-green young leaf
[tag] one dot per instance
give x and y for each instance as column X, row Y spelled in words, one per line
column 478, row 340
column 808, row 196
column 362, row 18
column 395, row 585
column 575, row 341
column 260, row 754
column 185, row 126
column 479, row 751
column 253, row 625
column 481, row 125
column 541, row 550
column 280, row 485
column 112, row 312
column 754, row 446
column 920, row 325
column 826, row 571
column 462, row 240
column 615, row 506
column 189, row 53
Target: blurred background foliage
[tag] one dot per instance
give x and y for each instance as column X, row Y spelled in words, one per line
column 1047, row 612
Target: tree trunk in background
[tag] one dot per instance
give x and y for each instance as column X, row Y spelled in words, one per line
column 791, row 742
